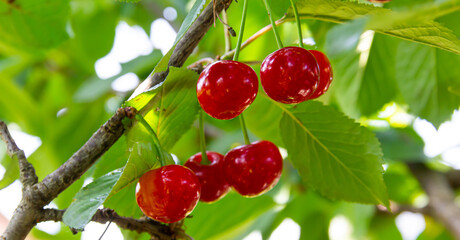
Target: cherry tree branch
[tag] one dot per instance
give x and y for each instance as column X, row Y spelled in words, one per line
column 84, row 158
column 37, row 195
column 187, row 44
column 441, row 197
column 453, row 177
column 155, row 229
column 27, row 171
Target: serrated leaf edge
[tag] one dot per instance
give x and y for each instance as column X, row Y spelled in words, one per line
column 291, row 115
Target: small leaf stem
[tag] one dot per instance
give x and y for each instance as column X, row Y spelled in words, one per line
column 255, row 36
column 240, row 34
column 228, row 40
column 204, row 157
column 156, row 141
column 297, row 19
column 245, row 131
column 272, row 21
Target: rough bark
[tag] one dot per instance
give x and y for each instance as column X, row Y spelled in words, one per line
column 38, row 194
column 441, row 197
column 144, row 224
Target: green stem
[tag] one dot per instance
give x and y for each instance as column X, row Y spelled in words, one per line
column 204, row 157
column 156, row 141
column 297, row 19
column 240, row 34
column 235, row 58
column 272, row 21
column 245, row 131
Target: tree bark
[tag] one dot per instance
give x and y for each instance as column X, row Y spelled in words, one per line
column 441, row 197
column 37, row 195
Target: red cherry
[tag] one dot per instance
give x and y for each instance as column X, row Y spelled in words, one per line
column 214, row 186
column 226, row 88
column 253, row 169
column 325, row 76
column 289, row 75
column 168, row 194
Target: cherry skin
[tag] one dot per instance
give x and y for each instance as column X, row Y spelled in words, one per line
column 226, row 88
column 253, row 169
column 214, row 186
column 168, row 194
column 289, row 75
column 325, row 76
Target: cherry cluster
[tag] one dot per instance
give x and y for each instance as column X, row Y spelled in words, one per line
column 168, row 194
column 225, row 89
column 290, row 75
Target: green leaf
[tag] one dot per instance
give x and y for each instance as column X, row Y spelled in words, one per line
column 11, row 170
column 33, row 25
column 420, row 12
column 333, row 154
column 401, row 144
column 424, row 76
column 435, row 230
column 262, row 118
column 341, row 44
column 455, row 89
column 129, row 1
column 403, row 187
column 310, row 211
column 25, row 111
column 278, row 8
column 228, row 222
column 189, row 19
column 95, row 87
column 63, row 234
column 378, row 85
column 143, row 157
column 124, row 202
column 88, row 200
column 175, row 107
column 93, row 35
column 427, row 32
column 139, row 101
column 114, row 158
column 383, row 227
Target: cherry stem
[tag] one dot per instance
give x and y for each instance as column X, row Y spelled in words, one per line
column 251, row 39
column 240, row 34
column 299, row 26
column 272, row 21
column 228, row 41
column 156, row 141
column 235, row 58
column 204, row 157
column 245, row 130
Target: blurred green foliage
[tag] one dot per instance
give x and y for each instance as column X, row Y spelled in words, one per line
column 49, row 88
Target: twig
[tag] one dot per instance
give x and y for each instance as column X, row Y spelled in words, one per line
column 27, row 171
column 228, row 40
column 40, row 194
column 84, row 158
column 198, row 66
column 397, row 209
column 453, row 177
column 144, row 224
column 441, row 195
